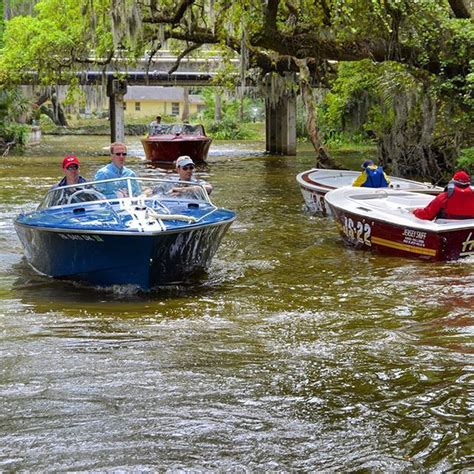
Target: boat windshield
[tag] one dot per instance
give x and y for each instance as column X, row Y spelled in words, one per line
column 113, row 190
column 176, row 129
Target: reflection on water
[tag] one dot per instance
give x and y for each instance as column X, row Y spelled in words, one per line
column 293, row 353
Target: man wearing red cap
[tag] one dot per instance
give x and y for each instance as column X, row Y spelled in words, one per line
column 71, row 167
column 455, row 203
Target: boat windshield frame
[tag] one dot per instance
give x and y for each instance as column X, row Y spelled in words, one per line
column 177, row 129
column 135, row 187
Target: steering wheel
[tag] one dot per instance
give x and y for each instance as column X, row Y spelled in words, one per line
column 73, row 198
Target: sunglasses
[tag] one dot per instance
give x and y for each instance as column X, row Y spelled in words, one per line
column 188, row 167
column 72, row 167
column 120, row 154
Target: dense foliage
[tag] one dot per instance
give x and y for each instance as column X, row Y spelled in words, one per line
column 418, row 127
column 13, row 107
column 425, row 49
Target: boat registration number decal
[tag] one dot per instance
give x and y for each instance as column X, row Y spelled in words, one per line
column 89, row 238
column 414, row 237
column 467, row 246
column 357, row 231
column 320, row 203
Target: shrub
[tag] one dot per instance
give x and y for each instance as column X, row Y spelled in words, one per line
column 228, row 129
column 466, row 159
column 14, row 132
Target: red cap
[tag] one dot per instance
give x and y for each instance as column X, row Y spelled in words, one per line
column 70, row 160
column 461, row 177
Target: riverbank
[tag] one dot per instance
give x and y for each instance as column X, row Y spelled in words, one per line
column 217, row 130
column 99, row 129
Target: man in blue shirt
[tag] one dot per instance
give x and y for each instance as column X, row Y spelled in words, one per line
column 116, row 169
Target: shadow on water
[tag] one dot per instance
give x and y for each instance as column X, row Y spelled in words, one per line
column 46, row 294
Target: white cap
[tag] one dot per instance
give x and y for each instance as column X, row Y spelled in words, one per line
column 184, row 160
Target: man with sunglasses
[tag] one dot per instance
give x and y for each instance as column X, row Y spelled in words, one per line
column 116, row 169
column 71, row 168
column 185, row 168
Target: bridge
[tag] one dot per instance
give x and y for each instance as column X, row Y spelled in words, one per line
column 280, row 116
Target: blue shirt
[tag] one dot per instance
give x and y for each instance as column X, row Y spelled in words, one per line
column 111, row 171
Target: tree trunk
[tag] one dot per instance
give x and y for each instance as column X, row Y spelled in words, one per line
column 56, row 113
column 323, row 159
column 5, row 147
column 59, row 114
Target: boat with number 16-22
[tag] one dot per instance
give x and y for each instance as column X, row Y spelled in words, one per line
column 383, row 220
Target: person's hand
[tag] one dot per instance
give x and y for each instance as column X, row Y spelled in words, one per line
column 122, row 193
column 147, row 192
column 183, row 190
column 177, row 191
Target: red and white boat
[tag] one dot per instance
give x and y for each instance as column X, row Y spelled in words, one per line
column 382, row 220
column 168, row 142
column 315, row 183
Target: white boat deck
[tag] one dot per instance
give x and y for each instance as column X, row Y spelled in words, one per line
column 391, row 206
column 326, row 179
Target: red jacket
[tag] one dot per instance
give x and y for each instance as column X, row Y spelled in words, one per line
column 458, row 206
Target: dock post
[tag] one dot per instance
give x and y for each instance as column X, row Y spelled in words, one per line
column 116, row 89
column 280, row 125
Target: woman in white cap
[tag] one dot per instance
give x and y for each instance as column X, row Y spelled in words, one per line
column 185, row 168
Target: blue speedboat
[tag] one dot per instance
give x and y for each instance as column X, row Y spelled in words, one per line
column 158, row 232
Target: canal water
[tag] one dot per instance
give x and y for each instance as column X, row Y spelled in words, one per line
column 294, row 353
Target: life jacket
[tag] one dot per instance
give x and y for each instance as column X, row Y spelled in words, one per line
column 459, row 203
column 375, row 178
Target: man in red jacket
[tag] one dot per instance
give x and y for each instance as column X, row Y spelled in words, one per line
column 455, row 203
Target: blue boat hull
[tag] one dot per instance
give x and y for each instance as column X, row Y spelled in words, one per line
column 106, row 259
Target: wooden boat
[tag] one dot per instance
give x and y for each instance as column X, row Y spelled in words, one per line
column 382, row 220
column 166, row 143
column 316, row 182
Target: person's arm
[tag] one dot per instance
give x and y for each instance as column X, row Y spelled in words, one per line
column 429, row 212
column 105, row 188
column 136, row 188
column 360, row 180
column 179, row 189
column 386, row 177
column 100, row 174
column 208, row 188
